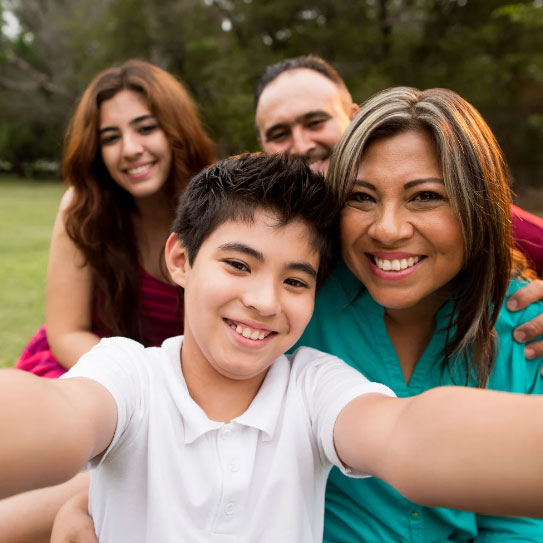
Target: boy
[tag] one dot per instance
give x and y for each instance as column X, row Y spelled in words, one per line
column 217, row 436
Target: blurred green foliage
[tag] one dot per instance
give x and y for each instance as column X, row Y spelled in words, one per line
column 490, row 52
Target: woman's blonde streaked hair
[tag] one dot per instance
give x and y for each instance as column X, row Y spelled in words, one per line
column 476, row 178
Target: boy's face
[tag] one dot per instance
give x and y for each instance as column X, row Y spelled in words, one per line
column 248, row 295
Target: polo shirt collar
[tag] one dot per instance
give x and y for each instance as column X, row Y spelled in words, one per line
column 265, row 409
column 262, row 414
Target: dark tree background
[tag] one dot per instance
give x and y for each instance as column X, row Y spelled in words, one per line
column 489, row 51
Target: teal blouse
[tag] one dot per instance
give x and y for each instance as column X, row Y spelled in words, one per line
column 369, row 510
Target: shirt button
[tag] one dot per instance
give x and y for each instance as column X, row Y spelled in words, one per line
column 229, row 509
column 415, row 515
column 234, row 466
column 225, row 434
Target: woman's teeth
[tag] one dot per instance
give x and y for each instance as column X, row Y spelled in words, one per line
column 139, row 169
column 248, row 332
column 396, row 264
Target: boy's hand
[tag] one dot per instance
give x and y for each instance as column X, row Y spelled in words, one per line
column 531, row 293
column 73, row 523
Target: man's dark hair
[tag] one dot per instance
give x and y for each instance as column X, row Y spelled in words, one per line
column 308, row 62
column 233, row 188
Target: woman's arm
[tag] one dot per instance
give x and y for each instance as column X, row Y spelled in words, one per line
column 29, row 517
column 69, row 296
column 450, row 447
column 73, row 523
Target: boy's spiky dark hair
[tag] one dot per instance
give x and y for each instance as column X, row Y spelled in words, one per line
column 233, row 188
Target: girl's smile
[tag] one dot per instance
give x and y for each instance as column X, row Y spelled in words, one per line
column 135, row 149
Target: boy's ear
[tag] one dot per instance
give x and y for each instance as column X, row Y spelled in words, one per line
column 177, row 260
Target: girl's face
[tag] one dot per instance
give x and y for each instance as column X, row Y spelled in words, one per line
column 134, row 148
column 400, row 236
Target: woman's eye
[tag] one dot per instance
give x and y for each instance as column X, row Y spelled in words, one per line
column 360, row 197
column 236, row 264
column 106, row 140
column 297, row 283
column 147, row 128
column 427, row 196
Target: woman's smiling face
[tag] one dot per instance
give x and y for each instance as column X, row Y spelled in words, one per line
column 134, row 148
column 399, row 233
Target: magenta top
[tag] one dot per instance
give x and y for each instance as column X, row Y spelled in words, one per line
column 528, row 236
column 162, row 313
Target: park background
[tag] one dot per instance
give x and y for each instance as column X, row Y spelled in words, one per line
column 489, row 51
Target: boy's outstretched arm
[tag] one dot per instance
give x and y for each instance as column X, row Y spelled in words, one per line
column 451, row 446
column 50, row 428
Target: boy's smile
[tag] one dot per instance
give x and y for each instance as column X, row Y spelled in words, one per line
column 249, row 294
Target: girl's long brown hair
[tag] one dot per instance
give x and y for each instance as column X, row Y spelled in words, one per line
column 477, row 181
column 100, row 216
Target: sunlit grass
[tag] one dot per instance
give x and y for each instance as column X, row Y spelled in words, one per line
column 27, row 213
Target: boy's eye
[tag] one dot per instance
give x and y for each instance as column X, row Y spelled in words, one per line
column 236, row 264
column 297, row 283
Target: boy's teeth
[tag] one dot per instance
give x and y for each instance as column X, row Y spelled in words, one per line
column 396, row 264
column 247, row 332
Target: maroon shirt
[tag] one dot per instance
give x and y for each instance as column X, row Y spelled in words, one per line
column 162, row 313
column 528, row 236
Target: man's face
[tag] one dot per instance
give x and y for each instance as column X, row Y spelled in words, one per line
column 303, row 113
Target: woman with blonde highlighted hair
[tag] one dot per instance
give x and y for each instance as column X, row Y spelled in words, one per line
column 418, row 299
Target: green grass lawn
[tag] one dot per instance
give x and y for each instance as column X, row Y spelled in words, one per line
column 27, row 213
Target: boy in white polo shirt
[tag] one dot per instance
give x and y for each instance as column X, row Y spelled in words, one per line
column 217, row 435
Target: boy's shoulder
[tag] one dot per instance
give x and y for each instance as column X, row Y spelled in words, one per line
column 307, row 359
column 307, row 355
column 121, row 355
column 317, row 370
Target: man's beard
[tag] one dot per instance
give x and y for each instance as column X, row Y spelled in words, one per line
column 317, row 159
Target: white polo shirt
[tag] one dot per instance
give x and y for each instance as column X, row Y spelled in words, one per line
column 173, row 475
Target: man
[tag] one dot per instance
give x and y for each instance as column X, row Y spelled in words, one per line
column 302, row 107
